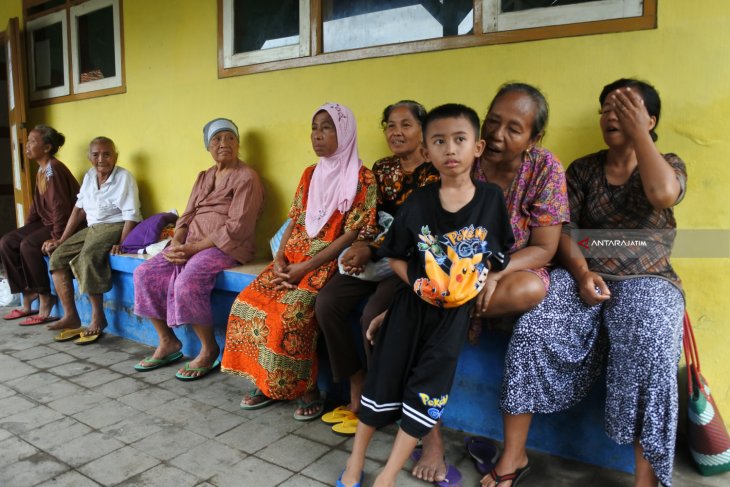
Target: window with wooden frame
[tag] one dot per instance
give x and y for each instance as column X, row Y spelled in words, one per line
column 256, row 36
column 74, row 49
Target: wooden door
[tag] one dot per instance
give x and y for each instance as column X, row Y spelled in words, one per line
column 22, row 188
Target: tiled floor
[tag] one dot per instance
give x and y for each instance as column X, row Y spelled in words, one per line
column 82, row 416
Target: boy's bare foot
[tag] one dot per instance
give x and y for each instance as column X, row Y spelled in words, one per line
column 431, row 467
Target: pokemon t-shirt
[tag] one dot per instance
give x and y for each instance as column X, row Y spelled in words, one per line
column 447, row 253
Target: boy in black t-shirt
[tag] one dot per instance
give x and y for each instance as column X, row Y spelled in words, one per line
column 442, row 243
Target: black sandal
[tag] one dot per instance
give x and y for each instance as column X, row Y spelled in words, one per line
column 514, row 476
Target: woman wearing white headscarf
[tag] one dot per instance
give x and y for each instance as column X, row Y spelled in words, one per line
column 215, row 232
column 272, row 330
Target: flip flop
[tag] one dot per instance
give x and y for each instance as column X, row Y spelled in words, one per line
column 515, row 476
column 19, row 313
column 346, row 428
column 86, row 339
column 38, row 320
column 203, row 371
column 483, row 451
column 338, row 415
column 256, row 393
column 357, row 484
column 158, row 362
column 68, row 334
column 318, row 403
column 453, row 476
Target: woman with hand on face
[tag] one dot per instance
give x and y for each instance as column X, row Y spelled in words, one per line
column 533, row 184
column 109, row 202
column 215, row 232
column 615, row 306
column 397, row 176
column 53, row 200
column 272, row 330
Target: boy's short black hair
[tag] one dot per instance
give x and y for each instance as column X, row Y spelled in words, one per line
column 452, row 110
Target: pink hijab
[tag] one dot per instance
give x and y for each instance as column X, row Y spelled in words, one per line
column 334, row 182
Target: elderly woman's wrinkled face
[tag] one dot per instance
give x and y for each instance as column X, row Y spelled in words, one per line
column 35, row 148
column 224, row 147
column 103, row 157
column 324, row 134
column 403, row 132
column 507, row 128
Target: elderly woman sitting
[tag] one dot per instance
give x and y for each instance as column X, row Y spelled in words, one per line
column 110, row 203
column 215, row 232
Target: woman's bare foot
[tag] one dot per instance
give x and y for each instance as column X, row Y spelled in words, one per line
column 431, row 467
column 164, row 349
column 204, row 360
column 315, row 408
column 504, row 466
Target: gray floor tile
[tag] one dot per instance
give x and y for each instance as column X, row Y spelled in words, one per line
column 6, row 391
column 33, row 353
column 14, row 404
column 320, row 432
column 168, row 443
column 292, row 452
column 30, row 419
column 251, row 471
column 80, row 401
column 73, row 369
column 149, row 397
column 5, row 434
column 137, row 427
column 32, row 383
column 31, row 471
column 327, row 469
column 53, row 361
column 13, row 369
column 118, row 466
column 120, row 387
column 55, row 433
column 84, row 449
column 13, row 450
column 182, row 411
column 95, row 377
column 213, row 422
column 54, row 391
column 105, row 413
column 106, row 357
column 162, row 476
column 71, row 478
column 302, row 481
column 208, row 459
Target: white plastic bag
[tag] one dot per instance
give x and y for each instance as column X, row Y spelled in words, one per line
column 6, row 297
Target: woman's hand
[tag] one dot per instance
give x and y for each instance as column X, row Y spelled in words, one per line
column 281, row 264
column 374, row 326
column 355, row 259
column 115, row 250
column 178, row 253
column 50, row 245
column 592, row 288
column 485, row 295
column 631, row 113
column 295, row 272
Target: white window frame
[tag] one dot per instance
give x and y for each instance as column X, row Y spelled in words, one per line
column 32, row 26
column 104, row 83
column 495, row 21
column 231, row 60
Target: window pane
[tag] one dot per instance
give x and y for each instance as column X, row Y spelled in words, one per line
column 519, row 5
column 351, row 25
column 262, row 25
column 42, row 7
column 96, row 45
column 48, row 57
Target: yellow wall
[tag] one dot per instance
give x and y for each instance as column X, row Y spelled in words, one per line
column 173, row 89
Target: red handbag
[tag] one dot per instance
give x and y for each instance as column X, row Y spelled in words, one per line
column 709, row 442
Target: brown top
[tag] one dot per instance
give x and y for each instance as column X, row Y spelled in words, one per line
column 54, row 207
column 227, row 213
column 640, row 237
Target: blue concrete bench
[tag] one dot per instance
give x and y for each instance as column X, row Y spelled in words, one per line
column 473, row 404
